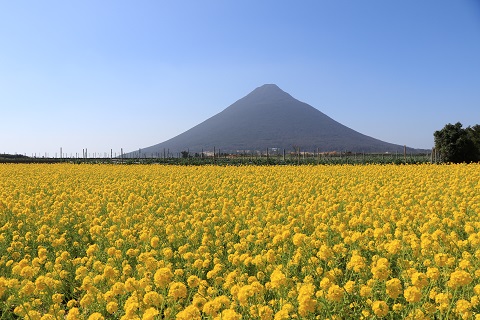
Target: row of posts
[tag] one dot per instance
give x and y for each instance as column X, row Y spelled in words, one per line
column 166, row 154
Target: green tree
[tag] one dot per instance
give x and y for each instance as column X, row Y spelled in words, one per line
column 474, row 134
column 456, row 144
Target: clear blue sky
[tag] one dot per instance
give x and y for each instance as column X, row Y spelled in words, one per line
column 129, row 74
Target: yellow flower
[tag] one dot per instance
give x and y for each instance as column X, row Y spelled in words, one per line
column 443, row 301
column 152, row 298
column 474, row 301
column 162, row 277
column 325, row 252
column 244, row 293
column 27, row 272
column 189, row 313
column 394, row 246
column 381, row 269
column 131, row 284
column 57, row 298
column 96, row 316
column 265, row 313
column 476, row 289
column 335, row 293
column 306, row 304
column 298, row 239
column 365, row 291
column 441, row 259
column 118, row 288
column 419, row 279
column 229, row 314
column 380, row 308
column 109, row 272
column 87, row 300
column 154, row 242
column 397, row 307
column 459, row 278
column 210, row 308
column 27, row 289
column 198, row 301
column 416, row 314
column 433, row 273
column 393, row 288
column 150, row 314
column 73, row 314
column 177, row 290
column 193, row 281
column 462, row 308
column 92, row 249
column 412, row 294
column 179, row 272
column 112, row 307
column 278, row 279
column 71, row 303
column 349, row 286
column 325, row 283
column 356, row 263
column 167, row 253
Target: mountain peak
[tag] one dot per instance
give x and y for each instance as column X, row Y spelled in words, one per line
column 268, row 91
column 269, row 87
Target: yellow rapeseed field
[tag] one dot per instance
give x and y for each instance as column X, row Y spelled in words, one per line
column 179, row 242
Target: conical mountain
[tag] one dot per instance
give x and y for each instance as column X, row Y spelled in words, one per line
column 268, row 117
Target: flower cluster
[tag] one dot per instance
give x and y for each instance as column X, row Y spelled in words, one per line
column 247, row 242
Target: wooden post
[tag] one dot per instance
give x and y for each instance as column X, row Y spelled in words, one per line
column 214, row 154
column 283, row 155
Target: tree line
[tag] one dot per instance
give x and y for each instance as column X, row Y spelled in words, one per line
column 457, row 144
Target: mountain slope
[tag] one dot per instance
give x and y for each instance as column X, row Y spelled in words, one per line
column 270, row 118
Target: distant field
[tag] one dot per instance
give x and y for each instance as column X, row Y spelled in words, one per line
column 272, row 158
column 228, row 242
